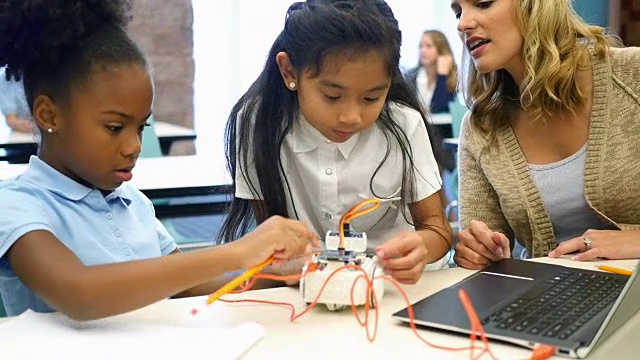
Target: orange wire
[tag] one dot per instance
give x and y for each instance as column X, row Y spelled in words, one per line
column 353, row 213
column 542, row 352
column 476, row 324
column 364, row 322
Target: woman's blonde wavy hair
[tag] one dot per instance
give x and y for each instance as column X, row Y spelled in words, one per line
column 555, row 39
column 442, row 46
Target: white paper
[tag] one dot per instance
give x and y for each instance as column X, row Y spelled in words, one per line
column 165, row 330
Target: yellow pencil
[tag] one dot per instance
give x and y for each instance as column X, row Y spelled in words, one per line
column 231, row 285
column 615, row 270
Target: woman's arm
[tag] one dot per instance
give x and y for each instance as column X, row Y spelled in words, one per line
column 485, row 232
column 477, row 199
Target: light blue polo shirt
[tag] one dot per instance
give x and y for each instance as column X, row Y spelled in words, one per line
column 98, row 229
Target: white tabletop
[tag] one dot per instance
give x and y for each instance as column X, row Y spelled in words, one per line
column 164, row 131
column 167, row 172
column 321, row 334
column 439, row 119
column 177, row 171
column 8, row 137
column 452, row 141
column 324, row 334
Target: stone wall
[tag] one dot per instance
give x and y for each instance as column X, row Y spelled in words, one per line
column 164, row 30
column 630, row 22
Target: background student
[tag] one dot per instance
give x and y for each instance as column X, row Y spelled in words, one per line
column 329, row 120
column 436, row 76
column 548, row 154
column 435, row 80
column 14, row 107
column 13, row 103
column 74, row 237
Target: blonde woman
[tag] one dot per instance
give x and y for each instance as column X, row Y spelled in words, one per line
column 436, row 76
column 549, row 152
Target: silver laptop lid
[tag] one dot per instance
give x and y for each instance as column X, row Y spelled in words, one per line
column 623, row 309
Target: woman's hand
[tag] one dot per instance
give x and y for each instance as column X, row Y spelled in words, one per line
column 606, row 244
column 404, row 257
column 444, row 64
column 19, row 124
column 277, row 237
column 478, row 246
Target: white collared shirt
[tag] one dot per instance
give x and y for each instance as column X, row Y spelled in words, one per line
column 425, row 92
column 327, row 178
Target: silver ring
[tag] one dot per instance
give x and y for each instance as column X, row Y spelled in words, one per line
column 587, row 243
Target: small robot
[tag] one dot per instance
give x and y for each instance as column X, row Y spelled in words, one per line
column 336, row 294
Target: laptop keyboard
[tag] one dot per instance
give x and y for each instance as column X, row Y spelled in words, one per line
column 559, row 306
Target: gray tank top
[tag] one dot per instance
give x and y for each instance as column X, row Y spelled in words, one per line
column 561, row 186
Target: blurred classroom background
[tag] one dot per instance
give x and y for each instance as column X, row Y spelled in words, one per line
column 205, row 54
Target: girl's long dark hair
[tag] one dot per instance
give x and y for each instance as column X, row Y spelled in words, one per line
column 261, row 119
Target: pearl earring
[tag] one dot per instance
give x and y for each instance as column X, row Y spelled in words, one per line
column 49, row 130
column 292, row 85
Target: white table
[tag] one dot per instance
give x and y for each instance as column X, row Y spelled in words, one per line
column 167, row 134
column 171, row 177
column 321, row 334
column 451, row 144
column 439, row 119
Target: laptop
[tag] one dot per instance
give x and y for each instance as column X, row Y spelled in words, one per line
column 529, row 303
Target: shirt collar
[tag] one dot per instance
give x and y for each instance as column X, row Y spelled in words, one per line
column 42, row 174
column 304, row 137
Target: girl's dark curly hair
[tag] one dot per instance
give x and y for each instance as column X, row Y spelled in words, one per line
column 54, row 45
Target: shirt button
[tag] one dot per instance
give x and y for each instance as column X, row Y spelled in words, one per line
column 127, row 251
column 327, row 216
column 118, row 232
column 329, row 171
column 328, row 141
column 109, row 215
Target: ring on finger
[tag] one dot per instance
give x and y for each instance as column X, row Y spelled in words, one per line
column 588, row 244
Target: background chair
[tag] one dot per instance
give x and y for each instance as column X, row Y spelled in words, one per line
column 150, row 141
column 457, row 110
column 3, row 313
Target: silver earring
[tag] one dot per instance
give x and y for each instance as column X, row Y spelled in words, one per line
column 292, row 85
column 49, row 130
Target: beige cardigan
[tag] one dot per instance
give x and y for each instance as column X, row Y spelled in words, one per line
column 496, row 186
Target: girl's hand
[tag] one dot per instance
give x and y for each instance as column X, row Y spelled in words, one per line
column 606, row 244
column 404, row 257
column 444, row 64
column 276, row 237
column 478, row 246
column 292, row 267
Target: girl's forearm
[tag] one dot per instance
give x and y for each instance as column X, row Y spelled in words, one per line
column 437, row 240
column 99, row 291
